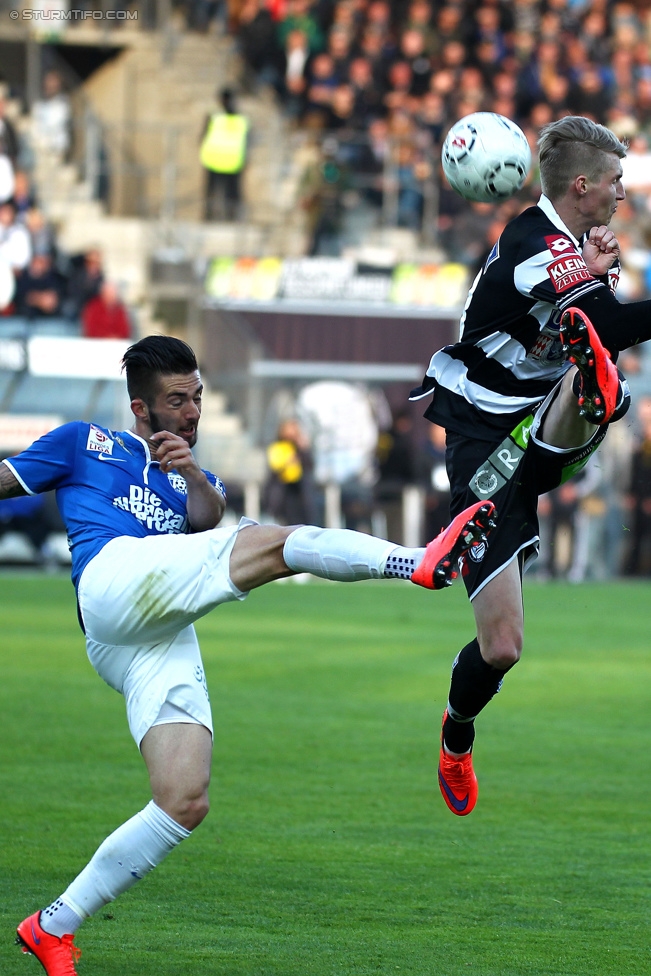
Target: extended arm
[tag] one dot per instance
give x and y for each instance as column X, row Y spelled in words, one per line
column 10, row 486
column 619, row 326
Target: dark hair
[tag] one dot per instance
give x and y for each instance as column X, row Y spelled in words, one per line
column 154, row 356
column 573, row 146
column 227, row 98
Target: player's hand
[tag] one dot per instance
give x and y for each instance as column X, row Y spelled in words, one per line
column 600, row 250
column 173, row 452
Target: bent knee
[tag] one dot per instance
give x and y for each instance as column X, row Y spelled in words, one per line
column 189, row 812
column 197, row 811
column 502, row 651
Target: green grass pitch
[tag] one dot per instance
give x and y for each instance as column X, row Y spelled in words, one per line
column 328, row 850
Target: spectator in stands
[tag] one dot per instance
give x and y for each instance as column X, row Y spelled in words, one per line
column 342, row 110
column 105, row 316
column 547, row 62
column 7, row 179
column 412, row 50
column 410, row 172
column 223, row 155
column 257, row 41
column 344, row 16
column 373, row 46
column 400, row 79
column 339, row 420
column 52, row 116
column 397, row 469
column 299, row 17
column 556, row 88
column 42, row 235
column 431, row 117
column 322, row 193
column 368, row 100
column 321, row 83
column 24, row 196
column 472, row 87
column 642, row 102
column 487, row 61
column 374, row 159
column 15, row 247
column 84, row 281
column 594, row 35
column 419, row 17
column 449, row 27
column 638, row 560
column 378, row 15
column 340, row 50
column 290, row 493
column 294, row 84
column 589, row 94
column 488, row 30
column 9, row 141
column 39, row 289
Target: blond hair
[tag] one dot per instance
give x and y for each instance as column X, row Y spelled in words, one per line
column 571, row 147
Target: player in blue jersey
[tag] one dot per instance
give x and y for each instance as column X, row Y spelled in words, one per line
column 147, row 560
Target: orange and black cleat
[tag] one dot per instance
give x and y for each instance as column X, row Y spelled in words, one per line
column 457, row 780
column 56, row 956
column 599, row 384
column 440, row 564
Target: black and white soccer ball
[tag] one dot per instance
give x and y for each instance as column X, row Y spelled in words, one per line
column 486, row 157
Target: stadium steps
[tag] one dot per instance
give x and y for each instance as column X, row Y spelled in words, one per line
column 139, row 88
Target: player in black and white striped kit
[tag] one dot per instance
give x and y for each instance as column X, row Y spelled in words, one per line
column 526, row 395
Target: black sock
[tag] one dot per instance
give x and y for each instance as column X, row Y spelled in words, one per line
column 474, row 682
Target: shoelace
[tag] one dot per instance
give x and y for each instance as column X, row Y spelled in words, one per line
column 454, row 769
column 75, row 954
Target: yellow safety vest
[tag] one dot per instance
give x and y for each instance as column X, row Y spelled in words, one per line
column 223, row 149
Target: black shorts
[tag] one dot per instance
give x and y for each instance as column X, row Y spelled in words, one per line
column 512, row 473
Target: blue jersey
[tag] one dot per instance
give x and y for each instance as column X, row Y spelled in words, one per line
column 107, row 485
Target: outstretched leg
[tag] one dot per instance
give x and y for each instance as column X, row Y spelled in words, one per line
column 178, row 759
column 262, row 553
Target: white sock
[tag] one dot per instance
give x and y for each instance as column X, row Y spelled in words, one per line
column 126, row 856
column 60, row 919
column 402, row 562
column 341, row 554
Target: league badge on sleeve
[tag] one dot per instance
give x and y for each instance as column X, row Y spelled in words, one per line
column 98, row 441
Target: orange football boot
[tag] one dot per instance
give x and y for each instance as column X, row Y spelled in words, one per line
column 599, row 376
column 457, row 780
column 440, row 565
column 56, row 956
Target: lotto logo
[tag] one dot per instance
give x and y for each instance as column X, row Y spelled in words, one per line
column 559, row 245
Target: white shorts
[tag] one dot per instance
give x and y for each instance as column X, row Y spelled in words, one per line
column 138, row 600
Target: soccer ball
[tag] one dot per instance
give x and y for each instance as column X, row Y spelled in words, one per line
column 486, row 157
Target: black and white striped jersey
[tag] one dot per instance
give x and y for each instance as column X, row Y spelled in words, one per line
column 509, row 354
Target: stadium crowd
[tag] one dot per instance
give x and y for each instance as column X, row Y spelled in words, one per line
column 49, row 283
column 387, row 80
